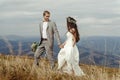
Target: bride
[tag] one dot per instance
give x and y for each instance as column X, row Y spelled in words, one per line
column 68, row 56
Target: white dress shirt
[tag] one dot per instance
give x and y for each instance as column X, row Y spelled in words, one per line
column 44, row 33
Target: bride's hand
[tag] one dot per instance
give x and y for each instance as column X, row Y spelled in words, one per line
column 61, row 46
column 73, row 45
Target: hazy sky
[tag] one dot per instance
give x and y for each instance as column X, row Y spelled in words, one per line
column 94, row 17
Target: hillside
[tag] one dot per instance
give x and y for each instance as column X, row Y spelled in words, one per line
column 98, row 50
column 104, row 51
column 21, row 68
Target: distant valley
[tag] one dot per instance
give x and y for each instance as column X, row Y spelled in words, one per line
column 104, row 51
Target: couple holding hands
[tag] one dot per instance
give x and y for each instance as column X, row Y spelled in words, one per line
column 68, row 56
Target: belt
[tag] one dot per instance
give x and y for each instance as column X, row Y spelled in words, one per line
column 44, row 38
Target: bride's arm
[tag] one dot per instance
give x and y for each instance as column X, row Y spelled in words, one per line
column 74, row 36
column 63, row 43
column 74, row 41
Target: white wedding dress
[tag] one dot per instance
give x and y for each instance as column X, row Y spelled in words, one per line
column 68, row 57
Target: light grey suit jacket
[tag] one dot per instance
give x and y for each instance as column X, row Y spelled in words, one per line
column 51, row 30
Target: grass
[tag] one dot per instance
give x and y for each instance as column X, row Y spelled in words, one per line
column 22, row 68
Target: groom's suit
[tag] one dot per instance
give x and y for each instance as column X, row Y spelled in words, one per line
column 47, row 44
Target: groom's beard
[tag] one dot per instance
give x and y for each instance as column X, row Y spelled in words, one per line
column 46, row 20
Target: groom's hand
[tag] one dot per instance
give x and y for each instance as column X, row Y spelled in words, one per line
column 61, row 46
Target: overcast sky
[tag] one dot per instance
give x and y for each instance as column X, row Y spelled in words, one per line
column 94, row 17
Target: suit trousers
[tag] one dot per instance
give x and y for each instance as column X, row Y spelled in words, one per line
column 44, row 47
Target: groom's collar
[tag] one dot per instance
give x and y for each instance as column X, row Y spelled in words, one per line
column 45, row 21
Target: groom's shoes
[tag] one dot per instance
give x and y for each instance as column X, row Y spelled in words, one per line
column 36, row 64
column 52, row 66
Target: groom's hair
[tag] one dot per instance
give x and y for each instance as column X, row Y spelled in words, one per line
column 46, row 12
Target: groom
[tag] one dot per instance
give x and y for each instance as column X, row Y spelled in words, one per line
column 47, row 31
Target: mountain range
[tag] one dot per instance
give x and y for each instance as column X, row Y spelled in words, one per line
column 95, row 50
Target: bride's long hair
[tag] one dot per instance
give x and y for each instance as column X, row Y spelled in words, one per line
column 71, row 23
